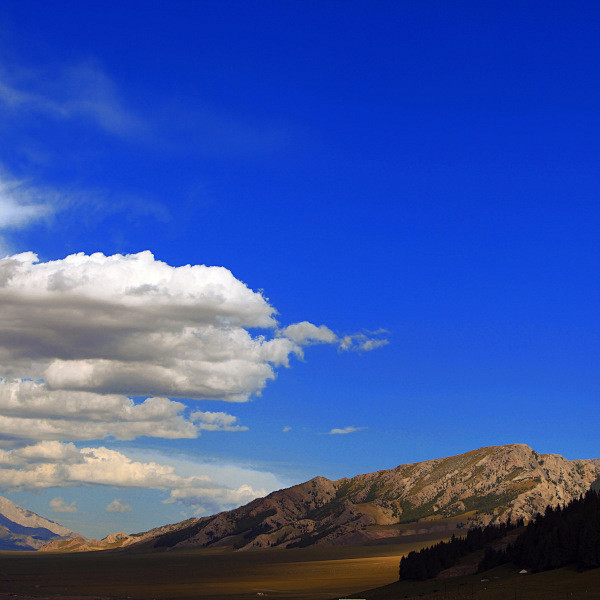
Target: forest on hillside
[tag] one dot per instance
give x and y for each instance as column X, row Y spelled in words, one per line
column 563, row 535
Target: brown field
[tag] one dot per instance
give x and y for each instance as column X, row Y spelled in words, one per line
column 302, row 574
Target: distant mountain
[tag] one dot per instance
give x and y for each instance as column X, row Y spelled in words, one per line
column 476, row 488
column 112, row 541
column 22, row 529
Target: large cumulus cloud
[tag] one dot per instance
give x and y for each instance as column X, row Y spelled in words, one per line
column 138, row 326
column 135, row 325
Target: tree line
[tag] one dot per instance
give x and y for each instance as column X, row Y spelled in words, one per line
column 428, row 562
column 564, row 535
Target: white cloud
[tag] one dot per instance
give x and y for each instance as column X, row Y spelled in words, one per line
column 370, row 344
column 54, row 464
column 216, row 421
column 59, row 505
column 345, row 430
column 20, row 204
column 286, row 429
column 306, row 333
column 117, row 506
column 45, row 452
column 135, row 325
column 110, row 467
column 30, row 411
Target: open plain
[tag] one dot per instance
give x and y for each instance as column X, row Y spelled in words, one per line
column 300, row 574
column 303, row 574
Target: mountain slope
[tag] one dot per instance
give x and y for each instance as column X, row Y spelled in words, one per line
column 22, row 529
column 481, row 486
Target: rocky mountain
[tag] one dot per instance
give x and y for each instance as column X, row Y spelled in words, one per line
column 482, row 486
column 112, row 541
column 22, row 529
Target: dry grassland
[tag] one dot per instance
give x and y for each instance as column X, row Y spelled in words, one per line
column 301, row 574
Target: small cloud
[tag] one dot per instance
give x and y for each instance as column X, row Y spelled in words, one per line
column 360, row 342
column 345, row 430
column 368, row 345
column 205, row 497
column 286, row 429
column 216, row 421
column 117, row 506
column 306, row 334
column 60, row 506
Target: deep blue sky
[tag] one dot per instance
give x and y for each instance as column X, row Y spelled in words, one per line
column 429, row 168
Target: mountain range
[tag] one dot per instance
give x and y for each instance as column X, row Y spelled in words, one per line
column 488, row 485
column 22, row 529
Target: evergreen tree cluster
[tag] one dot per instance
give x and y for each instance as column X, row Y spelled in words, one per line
column 561, row 536
column 428, row 562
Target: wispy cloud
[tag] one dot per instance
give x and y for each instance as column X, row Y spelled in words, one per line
column 81, row 91
column 345, row 430
column 85, row 92
column 363, row 342
column 24, row 204
column 21, row 204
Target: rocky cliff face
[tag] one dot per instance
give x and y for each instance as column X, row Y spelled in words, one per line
column 489, row 484
column 22, row 529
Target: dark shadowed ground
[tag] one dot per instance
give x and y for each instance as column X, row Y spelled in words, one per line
column 300, row 574
column 502, row 583
column 308, row 573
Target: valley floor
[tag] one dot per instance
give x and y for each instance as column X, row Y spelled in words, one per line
column 300, row 574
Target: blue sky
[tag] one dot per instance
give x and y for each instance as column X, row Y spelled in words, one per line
column 418, row 173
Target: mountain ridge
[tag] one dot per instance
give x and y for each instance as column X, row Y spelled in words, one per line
column 22, row 529
column 490, row 484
